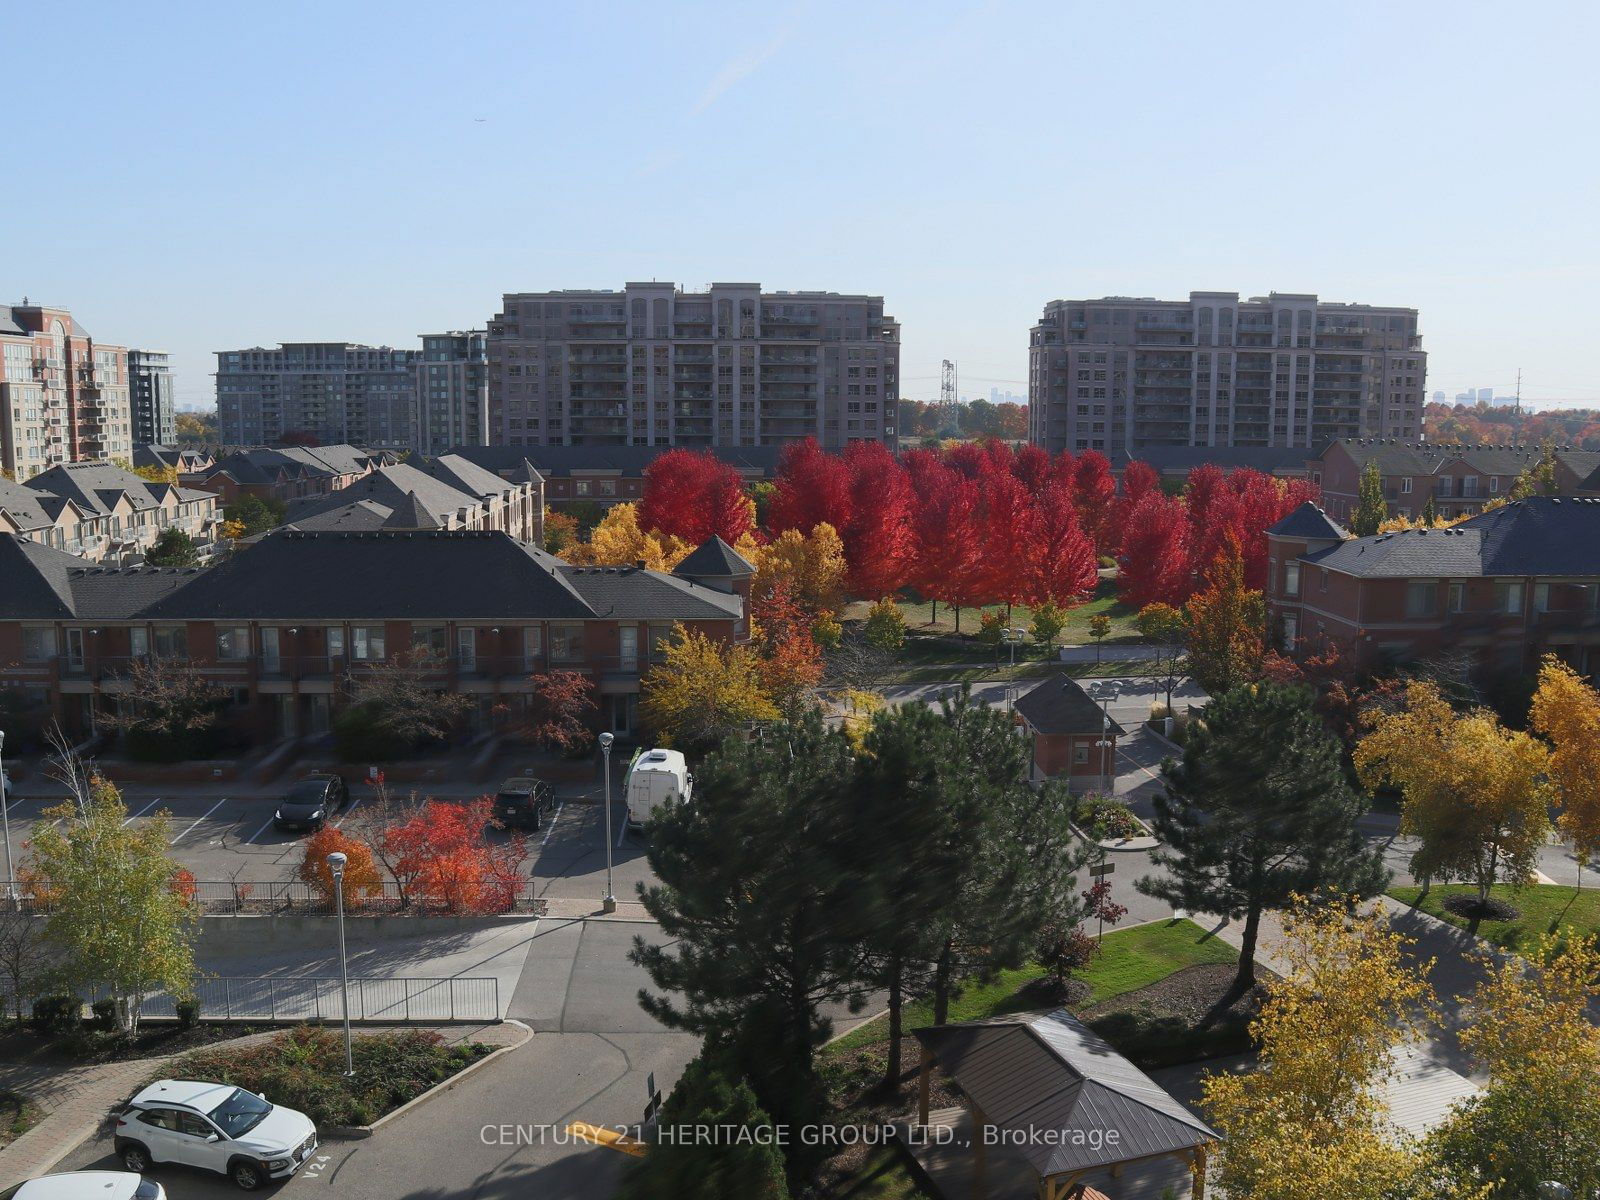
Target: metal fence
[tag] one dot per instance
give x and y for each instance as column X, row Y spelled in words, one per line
column 318, row 998
column 294, row 896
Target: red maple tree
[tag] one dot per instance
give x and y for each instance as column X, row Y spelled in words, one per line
column 1093, row 491
column 812, row 487
column 877, row 529
column 1154, row 562
column 1062, row 566
column 694, row 495
column 442, row 857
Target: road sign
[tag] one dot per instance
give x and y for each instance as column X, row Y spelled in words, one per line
column 652, row 1097
column 1105, row 868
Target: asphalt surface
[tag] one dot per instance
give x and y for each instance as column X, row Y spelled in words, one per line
column 231, row 838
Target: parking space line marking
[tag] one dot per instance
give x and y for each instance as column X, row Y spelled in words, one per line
column 345, row 816
column 251, row 839
column 203, row 816
column 142, row 811
column 556, row 816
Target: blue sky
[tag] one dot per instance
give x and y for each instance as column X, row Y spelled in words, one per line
column 205, row 176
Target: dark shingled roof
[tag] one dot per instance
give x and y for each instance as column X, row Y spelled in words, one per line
column 1428, row 458
column 1542, row 535
column 1310, row 523
column 403, row 576
column 411, row 514
column 629, row 593
column 1059, row 705
column 715, row 559
column 35, row 580
column 1046, row 1077
column 628, row 460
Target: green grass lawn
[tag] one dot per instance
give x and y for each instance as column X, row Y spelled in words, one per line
column 1546, row 908
column 884, row 1176
column 920, row 618
column 1129, row 959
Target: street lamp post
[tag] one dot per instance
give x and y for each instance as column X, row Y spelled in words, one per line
column 1105, row 693
column 609, row 904
column 5, row 821
column 336, row 862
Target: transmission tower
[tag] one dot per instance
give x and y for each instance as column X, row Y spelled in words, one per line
column 949, row 421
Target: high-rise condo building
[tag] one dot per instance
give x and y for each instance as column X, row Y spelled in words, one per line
column 332, row 391
column 150, row 394
column 63, row 395
column 453, row 391
column 655, row 365
column 1122, row 373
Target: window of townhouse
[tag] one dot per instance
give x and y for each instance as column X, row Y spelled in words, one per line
column 566, row 643
column 233, row 643
column 170, row 641
column 38, row 645
column 1291, row 579
column 1508, row 597
column 430, row 641
column 1421, row 599
column 366, row 643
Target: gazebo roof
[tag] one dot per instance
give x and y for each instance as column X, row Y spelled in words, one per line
column 1059, row 1091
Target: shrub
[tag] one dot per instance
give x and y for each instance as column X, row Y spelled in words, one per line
column 360, row 736
column 1107, row 818
column 885, row 626
column 361, row 876
column 56, row 1014
column 827, row 632
column 188, row 1014
column 302, row 1067
column 105, row 1015
column 991, row 628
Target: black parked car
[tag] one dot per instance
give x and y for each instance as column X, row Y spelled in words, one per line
column 311, row 801
column 523, row 801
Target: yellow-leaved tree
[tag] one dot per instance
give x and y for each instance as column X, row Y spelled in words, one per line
column 1226, row 625
column 812, row 565
column 617, row 541
column 1538, row 1117
column 1474, row 793
column 1312, row 1120
column 704, row 689
column 1567, row 711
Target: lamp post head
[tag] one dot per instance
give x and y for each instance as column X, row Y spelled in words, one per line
column 605, row 742
column 336, row 862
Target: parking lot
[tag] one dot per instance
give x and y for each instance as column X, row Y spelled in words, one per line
column 223, row 838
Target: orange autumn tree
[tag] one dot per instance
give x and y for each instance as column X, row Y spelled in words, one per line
column 442, row 858
column 362, row 879
column 1566, row 710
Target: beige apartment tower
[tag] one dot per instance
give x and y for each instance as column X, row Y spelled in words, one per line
column 1122, row 373
column 63, row 395
column 655, row 365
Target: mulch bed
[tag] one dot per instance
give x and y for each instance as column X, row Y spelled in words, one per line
column 1182, row 1018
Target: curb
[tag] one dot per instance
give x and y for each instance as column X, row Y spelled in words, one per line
column 358, row 1132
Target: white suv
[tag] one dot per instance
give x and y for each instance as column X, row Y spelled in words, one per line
column 215, row 1127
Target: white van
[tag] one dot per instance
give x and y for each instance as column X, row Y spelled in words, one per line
column 655, row 777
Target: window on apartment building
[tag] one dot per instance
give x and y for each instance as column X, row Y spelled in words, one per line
column 1291, row 579
column 1541, row 597
column 366, row 643
column 1494, row 484
column 566, row 643
column 1508, row 597
column 38, row 645
column 1421, row 599
column 233, row 642
column 171, row 641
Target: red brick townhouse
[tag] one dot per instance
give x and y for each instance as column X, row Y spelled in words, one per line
column 1460, row 479
column 285, row 624
column 1508, row 585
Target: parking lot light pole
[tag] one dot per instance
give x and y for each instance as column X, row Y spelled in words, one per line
column 5, row 821
column 336, row 862
column 609, row 904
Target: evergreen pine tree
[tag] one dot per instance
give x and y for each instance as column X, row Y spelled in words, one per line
column 1371, row 510
column 759, row 908
column 684, row 1164
column 1257, row 811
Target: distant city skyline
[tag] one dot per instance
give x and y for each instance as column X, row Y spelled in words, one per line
column 282, row 210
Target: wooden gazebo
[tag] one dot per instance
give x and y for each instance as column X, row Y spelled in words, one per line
column 1045, row 1087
